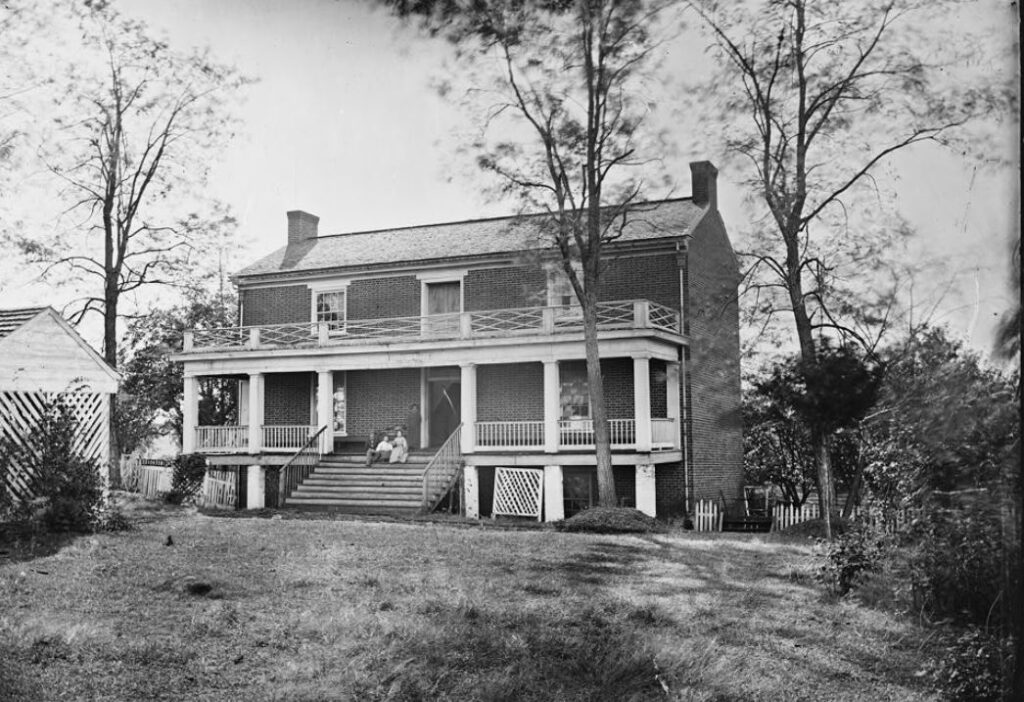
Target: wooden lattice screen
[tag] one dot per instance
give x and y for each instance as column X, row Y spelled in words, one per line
column 518, row 492
column 21, row 411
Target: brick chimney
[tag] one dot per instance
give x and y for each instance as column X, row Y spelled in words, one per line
column 301, row 226
column 704, row 177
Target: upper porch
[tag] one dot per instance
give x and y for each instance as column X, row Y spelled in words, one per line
column 632, row 317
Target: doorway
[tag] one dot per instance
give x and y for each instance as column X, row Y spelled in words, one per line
column 444, row 411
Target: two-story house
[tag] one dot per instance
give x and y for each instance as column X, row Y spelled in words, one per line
column 471, row 329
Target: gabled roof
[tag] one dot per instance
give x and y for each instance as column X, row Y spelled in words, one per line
column 13, row 319
column 457, row 240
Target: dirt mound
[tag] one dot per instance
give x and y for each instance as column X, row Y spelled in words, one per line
column 609, row 520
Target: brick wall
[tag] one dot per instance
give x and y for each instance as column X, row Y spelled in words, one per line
column 502, row 288
column 653, row 277
column 285, row 304
column 380, row 398
column 378, row 298
column 670, row 489
column 715, row 425
column 510, row 392
column 286, row 399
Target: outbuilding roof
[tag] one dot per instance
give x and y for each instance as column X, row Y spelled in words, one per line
column 455, row 240
column 10, row 320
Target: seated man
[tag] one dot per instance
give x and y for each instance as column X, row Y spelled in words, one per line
column 381, row 453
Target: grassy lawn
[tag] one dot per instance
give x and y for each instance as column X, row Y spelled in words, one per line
column 262, row 609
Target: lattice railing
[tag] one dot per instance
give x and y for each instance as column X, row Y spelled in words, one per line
column 510, row 434
column 222, row 438
column 443, row 470
column 20, row 412
column 620, row 314
column 518, row 492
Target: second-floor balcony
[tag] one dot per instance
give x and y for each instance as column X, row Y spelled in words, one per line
column 522, row 321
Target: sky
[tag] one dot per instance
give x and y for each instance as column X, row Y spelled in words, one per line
column 343, row 123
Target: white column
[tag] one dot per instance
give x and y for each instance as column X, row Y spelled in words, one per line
column 642, row 402
column 673, row 397
column 468, row 407
column 189, row 414
column 325, row 409
column 645, row 494
column 554, row 508
column 255, row 488
column 243, row 403
column 552, row 406
column 255, row 412
column 471, row 491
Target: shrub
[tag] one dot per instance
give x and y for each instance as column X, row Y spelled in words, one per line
column 189, row 471
column 609, row 520
column 974, row 665
column 848, row 558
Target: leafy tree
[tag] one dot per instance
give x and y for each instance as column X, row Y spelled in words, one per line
column 132, row 125
column 556, row 90
column 152, row 387
column 826, row 94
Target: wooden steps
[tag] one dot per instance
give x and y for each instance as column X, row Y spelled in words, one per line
column 344, row 483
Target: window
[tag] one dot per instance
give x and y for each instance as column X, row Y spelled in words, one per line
column 562, row 295
column 330, row 308
column 575, row 392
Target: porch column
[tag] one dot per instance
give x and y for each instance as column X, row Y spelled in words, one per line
column 645, row 494
column 255, row 488
column 190, row 414
column 642, row 402
column 672, row 400
column 325, row 409
column 552, row 407
column 468, row 409
column 255, row 412
column 471, row 491
column 554, row 508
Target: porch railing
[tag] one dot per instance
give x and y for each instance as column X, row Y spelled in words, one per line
column 286, row 436
column 578, row 433
column 443, row 470
column 622, row 314
column 221, row 438
column 527, row 434
column 299, row 467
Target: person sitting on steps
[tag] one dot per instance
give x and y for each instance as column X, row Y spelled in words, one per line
column 382, row 452
column 400, row 450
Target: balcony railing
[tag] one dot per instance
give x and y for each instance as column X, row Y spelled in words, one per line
column 664, row 433
column 291, row 437
column 510, row 435
column 572, row 434
column 625, row 314
column 210, row 439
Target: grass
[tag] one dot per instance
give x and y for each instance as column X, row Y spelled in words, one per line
column 288, row 609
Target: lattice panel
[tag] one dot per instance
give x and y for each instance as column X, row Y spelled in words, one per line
column 518, row 492
column 21, row 411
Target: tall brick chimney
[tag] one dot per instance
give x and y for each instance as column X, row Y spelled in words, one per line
column 301, row 226
column 704, row 176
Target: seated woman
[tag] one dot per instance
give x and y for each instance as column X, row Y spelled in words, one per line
column 399, row 448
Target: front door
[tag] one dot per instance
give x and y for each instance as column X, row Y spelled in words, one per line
column 444, row 396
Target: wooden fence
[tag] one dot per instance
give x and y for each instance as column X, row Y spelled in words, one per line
column 151, row 478
column 785, row 514
column 220, row 489
column 707, row 516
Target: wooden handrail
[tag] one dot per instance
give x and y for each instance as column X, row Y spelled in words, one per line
column 286, row 486
column 449, row 459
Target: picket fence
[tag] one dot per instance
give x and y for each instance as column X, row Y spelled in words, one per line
column 152, row 479
column 707, row 516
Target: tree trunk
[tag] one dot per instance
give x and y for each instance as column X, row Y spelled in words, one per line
column 602, row 438
column 826, row 488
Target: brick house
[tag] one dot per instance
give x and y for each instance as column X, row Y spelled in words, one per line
column 474, row 323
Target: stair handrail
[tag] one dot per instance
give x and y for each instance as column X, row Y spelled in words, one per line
column 448, row 460
column 286, row 486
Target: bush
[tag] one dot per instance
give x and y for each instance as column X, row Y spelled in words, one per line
column 66, row 485
column 848, row 558
column 189, row 471
column 609, row 520
column 974, row 665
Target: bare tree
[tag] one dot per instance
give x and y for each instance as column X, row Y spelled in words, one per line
column 554, row 91
column 134, row 124
column 818, row 96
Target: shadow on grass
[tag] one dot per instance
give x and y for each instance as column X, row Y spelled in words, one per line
column 22, row 542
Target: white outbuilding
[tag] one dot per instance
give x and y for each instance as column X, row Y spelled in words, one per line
column 41, row 357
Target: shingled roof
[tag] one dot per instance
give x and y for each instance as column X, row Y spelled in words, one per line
column 10, row 320
column 457, row 240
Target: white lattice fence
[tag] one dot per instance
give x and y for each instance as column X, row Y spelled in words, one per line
column 518, row 492
column 20, row 413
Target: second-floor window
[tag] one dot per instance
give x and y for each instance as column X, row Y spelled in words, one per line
column 330, row 308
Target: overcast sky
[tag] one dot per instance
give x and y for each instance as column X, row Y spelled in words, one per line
column 343, row 123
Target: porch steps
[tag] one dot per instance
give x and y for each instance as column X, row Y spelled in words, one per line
column 344, row 483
